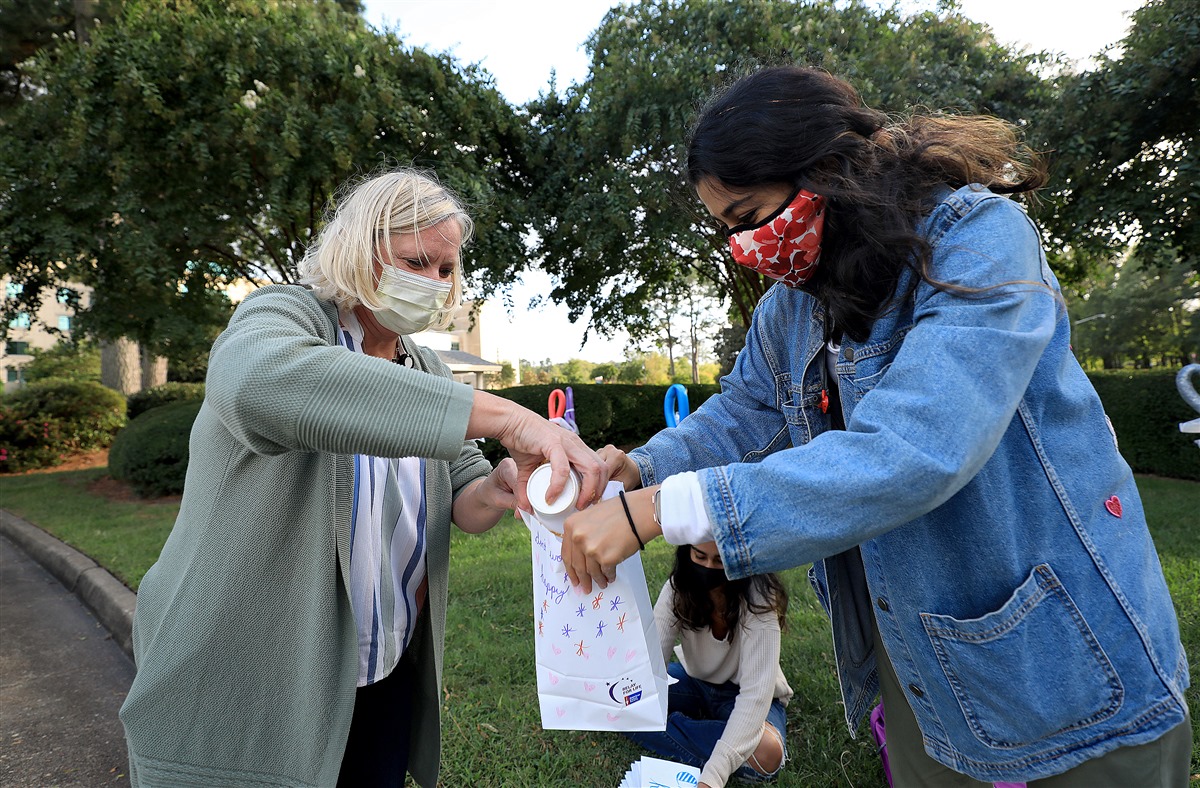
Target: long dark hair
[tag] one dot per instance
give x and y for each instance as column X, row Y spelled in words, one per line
column 806, row 128
column 693, row 605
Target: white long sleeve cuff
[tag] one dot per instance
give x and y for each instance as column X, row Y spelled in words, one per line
column 681, row 510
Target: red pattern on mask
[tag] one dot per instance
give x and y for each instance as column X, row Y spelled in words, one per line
column 788, row 247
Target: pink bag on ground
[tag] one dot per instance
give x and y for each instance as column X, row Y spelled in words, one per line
column 878, row 733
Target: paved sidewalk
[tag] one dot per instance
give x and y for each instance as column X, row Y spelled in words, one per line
column 63, row 676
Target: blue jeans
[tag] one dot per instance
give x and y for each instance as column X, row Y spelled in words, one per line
column 377, row 748
column 696, row 715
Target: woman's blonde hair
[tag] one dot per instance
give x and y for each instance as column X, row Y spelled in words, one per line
column 339, row 264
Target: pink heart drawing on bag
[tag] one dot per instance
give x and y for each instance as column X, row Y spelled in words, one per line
column 630, row 654
column 612, row 651
column 560, row 711
column 553, row 678
column 555, row 649
column 612, row 717
column 589, row 686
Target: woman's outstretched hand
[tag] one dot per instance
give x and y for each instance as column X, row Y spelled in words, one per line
column 531, row 441
column 597, row 539
column 620, row 467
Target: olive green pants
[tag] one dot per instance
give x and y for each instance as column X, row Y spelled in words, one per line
column 1162, row 763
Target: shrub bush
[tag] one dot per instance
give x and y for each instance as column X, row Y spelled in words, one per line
column 142, row 401
column 151, row 453
column 64, row 361
column 28, row 443
column 620, row 414
column 1144, row 407
column 44, row 420
column 1146, row 410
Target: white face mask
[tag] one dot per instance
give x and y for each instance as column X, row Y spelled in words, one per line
column 411, row 302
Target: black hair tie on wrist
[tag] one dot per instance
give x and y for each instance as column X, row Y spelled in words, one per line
column 629, row 517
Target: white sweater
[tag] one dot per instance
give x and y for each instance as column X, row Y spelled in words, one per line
column 750, row 660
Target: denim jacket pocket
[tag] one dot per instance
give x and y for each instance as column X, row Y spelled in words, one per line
column 1029, row 670
column 870, row 363
column 802, row 412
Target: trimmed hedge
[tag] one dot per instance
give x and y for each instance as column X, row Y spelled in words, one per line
column 44, row 420
column 1144, row 406
column 621, row 414
column 1146, row 410
column 151, row 453
column 142, row 401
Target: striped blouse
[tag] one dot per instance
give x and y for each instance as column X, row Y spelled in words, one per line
column 387, row 547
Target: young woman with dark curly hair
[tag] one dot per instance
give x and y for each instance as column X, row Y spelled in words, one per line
column 908, row 417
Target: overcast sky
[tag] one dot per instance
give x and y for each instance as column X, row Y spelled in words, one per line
column 521, row 42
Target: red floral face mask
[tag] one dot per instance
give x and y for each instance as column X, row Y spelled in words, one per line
column 787, row 244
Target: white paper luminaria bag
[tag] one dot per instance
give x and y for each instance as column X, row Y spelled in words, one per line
column 599, row 663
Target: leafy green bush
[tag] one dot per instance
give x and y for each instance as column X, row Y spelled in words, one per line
column 64, row 361
column 623, row 415
column 1146, row 410
column 142, row 401
column 26, row 444
column 44, row 420
column 151, row 453
column 1144, row 407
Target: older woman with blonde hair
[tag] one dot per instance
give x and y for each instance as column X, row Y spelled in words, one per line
column 291, row 631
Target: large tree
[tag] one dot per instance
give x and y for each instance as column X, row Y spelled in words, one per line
column 1126, row 164
column 615, row 224
column 197, row 142
column 28, row 26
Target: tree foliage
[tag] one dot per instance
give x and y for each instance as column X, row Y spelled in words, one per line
column 28, row 26
column 196, row 142
column 1142, row 312
column 615, row 224
column 76, row 361
column 1127, row 168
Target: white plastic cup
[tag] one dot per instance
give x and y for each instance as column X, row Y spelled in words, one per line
column 552, row 514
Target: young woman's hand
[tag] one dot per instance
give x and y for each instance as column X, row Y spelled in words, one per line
column 620, row 467
column 597, row 539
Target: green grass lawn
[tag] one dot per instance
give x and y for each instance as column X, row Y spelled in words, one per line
column 491, row 728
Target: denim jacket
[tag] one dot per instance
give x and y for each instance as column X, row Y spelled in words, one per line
column 1003, row 543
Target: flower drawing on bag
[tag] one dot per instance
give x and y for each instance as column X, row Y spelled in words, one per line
column 576, row 692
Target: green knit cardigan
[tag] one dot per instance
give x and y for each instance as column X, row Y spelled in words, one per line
column 246, row 649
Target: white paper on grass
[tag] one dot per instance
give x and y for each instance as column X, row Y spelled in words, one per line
column 599, row 662
column 657, row 773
